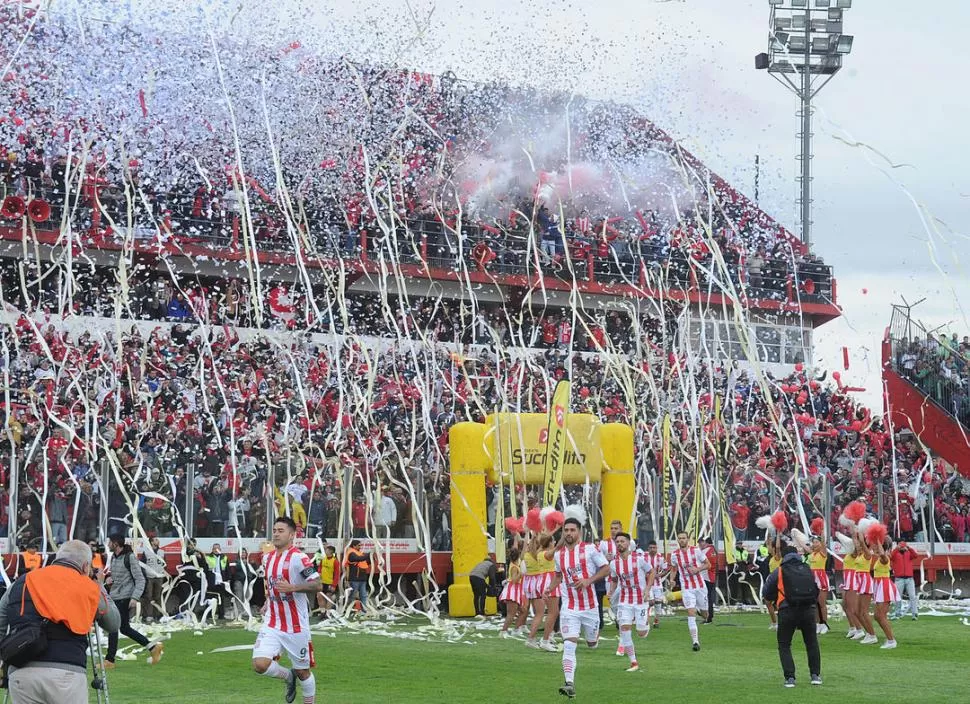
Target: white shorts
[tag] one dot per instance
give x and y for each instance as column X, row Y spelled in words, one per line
column 628, row 615
column 695, row 598
column 656, row 593
column 271, row 642
column 587, row 621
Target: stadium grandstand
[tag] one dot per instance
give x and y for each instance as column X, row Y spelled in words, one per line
column 213, row 317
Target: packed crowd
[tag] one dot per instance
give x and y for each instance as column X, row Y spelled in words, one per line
column 195, row 429
column 413, row 168
column 940, row 366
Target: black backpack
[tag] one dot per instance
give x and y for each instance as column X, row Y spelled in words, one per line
column 798, row 582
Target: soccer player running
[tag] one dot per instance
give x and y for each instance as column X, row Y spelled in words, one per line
column 290, row 576
column 632, row 575
column 690, row 563
column 660, row 569
column 578, row 566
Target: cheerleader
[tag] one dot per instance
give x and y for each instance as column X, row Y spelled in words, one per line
column 817, row 560
column 512, row 594
column 885, row 592
column 863, row 589
column 545, row 607
column 849, row 596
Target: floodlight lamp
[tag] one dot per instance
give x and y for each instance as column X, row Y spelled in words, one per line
column 835, row 14
column 833, row 27
column 782, row 38
column 782, row 23
column 820, row 44
column 844, row 45
column 797, row 43
column 798, row 22
column 776, row 3
column 799, row 3
column 823, row 3
column 843, row 4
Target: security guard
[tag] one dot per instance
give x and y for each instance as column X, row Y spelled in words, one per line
column 65, row 595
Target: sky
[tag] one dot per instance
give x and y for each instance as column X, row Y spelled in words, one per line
column 891, row 196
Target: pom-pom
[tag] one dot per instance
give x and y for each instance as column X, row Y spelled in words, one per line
column 575, row 511
column 848, row 545
column 545, row 512
column 855, row 511
column 514, row 525
column 800, row 540
column 532, row 520
column 764, row 522
column 818, row 526
column 780, row 521
column 865, row 523
column 554, row 521
column 876, row 534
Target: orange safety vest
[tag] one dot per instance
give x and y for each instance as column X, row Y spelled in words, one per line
column 781, row 588
column 63, row 595
column 365, row 566
column 32, row 562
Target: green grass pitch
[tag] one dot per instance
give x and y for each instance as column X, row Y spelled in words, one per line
column 738, row 663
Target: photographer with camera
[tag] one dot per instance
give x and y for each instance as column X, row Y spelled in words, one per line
column 49, row 612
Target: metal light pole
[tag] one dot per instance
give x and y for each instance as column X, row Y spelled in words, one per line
column 805, row 43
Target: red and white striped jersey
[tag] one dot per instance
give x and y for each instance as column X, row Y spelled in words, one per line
column 289, row 613
column 630, row 574
column 608, row 548
column 581, row 561
column 682, row 559
column 656, row 563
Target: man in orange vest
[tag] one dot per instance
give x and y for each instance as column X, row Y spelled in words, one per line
column 358, row 570
column 64, row 594
column 30, row 559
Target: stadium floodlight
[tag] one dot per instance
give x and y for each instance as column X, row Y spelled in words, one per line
column 806, row 48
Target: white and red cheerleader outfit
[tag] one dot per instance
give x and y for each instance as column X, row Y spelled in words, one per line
column 514, row 590
column 862, row 581
column 543, row 580
column 884, row 589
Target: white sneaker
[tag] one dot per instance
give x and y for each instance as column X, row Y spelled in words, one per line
column 850, row 633
column 635, row 667
column 532, row 643
column 505, row 635
column 869, row 639
column 620, row 651
column 859, row 635
column 773, row 627
column 888, row 645
column 823, row 629
column 548, row 647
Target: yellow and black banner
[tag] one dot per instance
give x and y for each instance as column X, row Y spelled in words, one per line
column 556, row 444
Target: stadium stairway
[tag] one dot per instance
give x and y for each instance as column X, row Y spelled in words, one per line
column 909, row 407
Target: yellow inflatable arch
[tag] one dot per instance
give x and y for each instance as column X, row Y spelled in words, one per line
column 511, row 448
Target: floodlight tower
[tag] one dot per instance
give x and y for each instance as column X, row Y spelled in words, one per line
column 805, row 49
